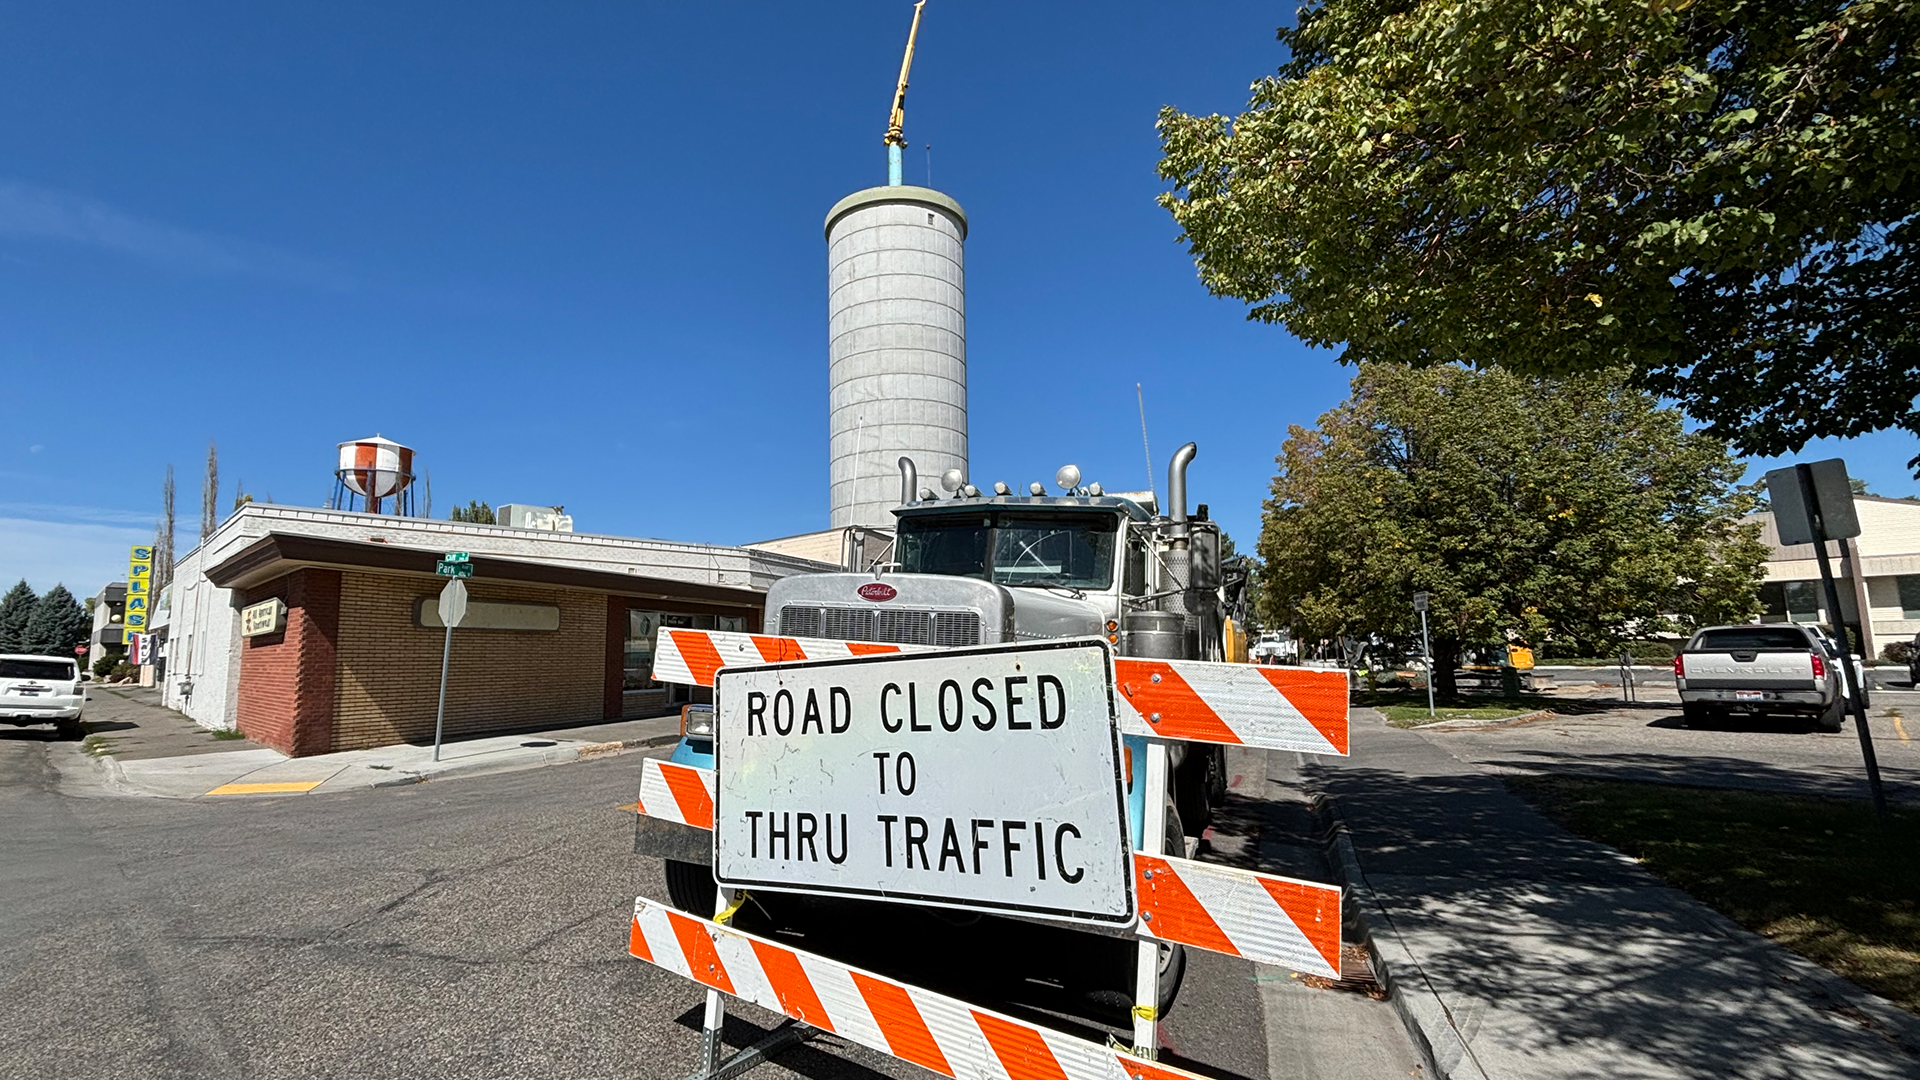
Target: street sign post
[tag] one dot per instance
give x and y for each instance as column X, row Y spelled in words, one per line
column 981, row 779
column 1420, row 600
column 1812, row 504
column 453, row 608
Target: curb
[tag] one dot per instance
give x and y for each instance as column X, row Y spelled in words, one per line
column 1422, row 1012
column 584, row 752
column 1483, row 722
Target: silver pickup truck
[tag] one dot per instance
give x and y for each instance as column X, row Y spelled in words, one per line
column 1776, row 668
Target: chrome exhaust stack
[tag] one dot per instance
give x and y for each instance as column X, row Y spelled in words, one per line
column 909, row 481
column 1177, row 493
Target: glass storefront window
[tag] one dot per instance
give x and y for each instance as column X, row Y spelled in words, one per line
column 643, row 632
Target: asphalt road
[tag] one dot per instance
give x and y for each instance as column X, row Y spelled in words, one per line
column 465, row 928
column 1651, row 742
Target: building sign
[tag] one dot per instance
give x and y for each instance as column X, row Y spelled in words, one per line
column 984, row 779
column 139, row 588
column 265, row 617
column 491, row 615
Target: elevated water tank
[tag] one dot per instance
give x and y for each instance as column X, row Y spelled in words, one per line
column 897, row 345
column 375, row 468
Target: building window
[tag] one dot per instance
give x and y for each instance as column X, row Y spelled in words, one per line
column 643, row 632
column 1790, row 601
column 1909, row 596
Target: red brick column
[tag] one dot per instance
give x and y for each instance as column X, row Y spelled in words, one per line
column 613, row 696
column 287, row 679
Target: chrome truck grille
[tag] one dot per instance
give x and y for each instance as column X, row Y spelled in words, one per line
column 899, row 626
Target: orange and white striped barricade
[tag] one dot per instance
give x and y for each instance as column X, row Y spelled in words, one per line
column 1272, row 708
column 1172, row 900
column 938, row 1033
column 1261, row 917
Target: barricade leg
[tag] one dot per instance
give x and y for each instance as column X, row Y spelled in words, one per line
column 1146, row 983
column 716, row 1003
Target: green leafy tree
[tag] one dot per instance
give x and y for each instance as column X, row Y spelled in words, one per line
column 474, row 513
column 1717, row 195
column 59, row 624
column 1575, row 511
column 16, row 611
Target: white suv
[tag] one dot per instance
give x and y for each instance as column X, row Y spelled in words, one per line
column 41, row 690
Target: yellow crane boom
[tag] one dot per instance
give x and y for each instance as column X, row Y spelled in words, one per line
column 897, row 120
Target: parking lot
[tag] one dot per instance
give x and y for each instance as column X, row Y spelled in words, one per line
column 1649, row 741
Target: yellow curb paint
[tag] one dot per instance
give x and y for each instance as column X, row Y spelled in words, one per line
column 1897, row 725
column 266, row 789
column 633, row 806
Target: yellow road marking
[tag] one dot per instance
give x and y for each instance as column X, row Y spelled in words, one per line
column 266, row 789
column 1901, row 728
column 633, row 806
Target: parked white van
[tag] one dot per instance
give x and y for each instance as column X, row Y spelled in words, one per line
column 41, row 690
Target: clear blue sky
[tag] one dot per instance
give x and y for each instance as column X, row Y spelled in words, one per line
column 572, row 254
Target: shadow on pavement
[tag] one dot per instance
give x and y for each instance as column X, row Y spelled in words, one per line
column 1712, row 771
column 1558, row 956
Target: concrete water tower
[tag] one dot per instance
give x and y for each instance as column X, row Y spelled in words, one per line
column 896, row 333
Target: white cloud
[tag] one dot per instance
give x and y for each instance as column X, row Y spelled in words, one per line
column 35, row 212
column 81, row 556
column 54, row 513
column 36, row 448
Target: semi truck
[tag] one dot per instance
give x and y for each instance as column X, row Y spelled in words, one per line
column 977, row 568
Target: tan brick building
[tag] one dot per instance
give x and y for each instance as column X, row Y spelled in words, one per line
column 560, row 628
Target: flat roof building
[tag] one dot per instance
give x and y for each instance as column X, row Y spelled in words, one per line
column 341, row 643
column 1877, row 572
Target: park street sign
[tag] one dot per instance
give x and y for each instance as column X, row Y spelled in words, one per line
column 983, row 779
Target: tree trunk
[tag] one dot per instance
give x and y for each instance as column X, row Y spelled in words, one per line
column 1445, row 659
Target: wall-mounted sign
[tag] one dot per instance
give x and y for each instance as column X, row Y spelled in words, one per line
column 491, row 615
column 139, row 587
column 265, row 617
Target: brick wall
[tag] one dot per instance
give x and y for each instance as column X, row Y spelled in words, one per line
column 286, row 698
column 389, row 668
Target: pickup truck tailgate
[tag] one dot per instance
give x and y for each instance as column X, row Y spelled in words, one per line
column 1750, row 671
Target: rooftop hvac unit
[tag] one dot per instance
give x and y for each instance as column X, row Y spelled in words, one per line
column 544, row 518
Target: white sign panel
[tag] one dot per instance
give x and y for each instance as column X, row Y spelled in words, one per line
column 265, row 617
column 984, row 779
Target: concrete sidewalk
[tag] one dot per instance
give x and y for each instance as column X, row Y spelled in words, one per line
column 256, row 771
column 1514, row 949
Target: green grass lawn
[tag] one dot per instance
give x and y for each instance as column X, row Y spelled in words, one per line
column 1408, row 708
column 1819, row 876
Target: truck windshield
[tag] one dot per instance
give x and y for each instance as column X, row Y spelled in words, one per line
column 1012, row 548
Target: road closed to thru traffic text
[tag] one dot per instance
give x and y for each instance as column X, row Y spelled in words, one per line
column 985, row 779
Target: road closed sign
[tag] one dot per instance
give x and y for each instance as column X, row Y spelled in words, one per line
column 986, row 779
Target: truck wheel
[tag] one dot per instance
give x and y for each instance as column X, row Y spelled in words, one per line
column 1833, row 716
column 691, row 887
column 1111, row 965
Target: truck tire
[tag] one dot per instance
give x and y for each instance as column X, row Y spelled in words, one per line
column 1112, row 965
column 1173, row 958
column 1833, row 716
column 691, row 887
